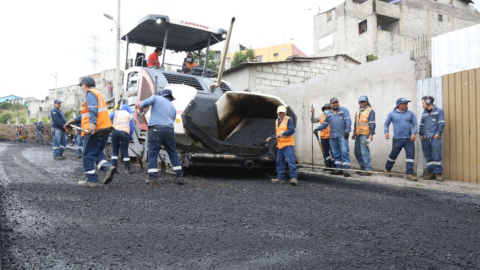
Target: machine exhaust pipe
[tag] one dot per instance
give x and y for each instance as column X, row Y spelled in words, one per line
column 222, row 64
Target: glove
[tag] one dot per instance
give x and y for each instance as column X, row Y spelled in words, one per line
column 139, row 110
column 91, row 128
column 69, row 122
column 315, row 131
column 346, row 135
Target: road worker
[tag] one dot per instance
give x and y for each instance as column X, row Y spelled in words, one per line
column 324, row 135
column 153, row 58
column 161, row 132
column 39, row 131
column 364, row 129
column 59, row 134
column 189, row 63
column 404, row 128
column 123, row 124
column 285, row 128
column 95, row 119
column 431, row 129
column 340, row 126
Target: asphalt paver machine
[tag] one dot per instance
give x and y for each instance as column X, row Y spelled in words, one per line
column 216, row 126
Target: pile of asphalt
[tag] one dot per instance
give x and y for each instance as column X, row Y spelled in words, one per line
column 223, row 220
column 254, row 134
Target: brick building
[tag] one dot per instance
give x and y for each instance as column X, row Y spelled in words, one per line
column 375, row 27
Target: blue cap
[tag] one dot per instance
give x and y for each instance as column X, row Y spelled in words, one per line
column 57, row 101
column 87, row 80
column 402, row 100
column 166, row 93
column 363, row 98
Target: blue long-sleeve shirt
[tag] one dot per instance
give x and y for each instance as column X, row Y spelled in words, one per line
column 39, row 126
column 163, row 113
column 92, row 104
column 404, row 124
column 290, row 126
column 58, row 119
column 339, row 122
column 125, row 107
column 432, row 123
column 371, row 121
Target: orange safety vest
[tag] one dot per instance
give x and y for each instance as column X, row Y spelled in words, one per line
column 190, row 65
column 103, row 119
column 361, row 120
column 121, row 121
column 283, row 127
column 324, row 134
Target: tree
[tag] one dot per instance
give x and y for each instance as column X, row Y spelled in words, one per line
column 212, row 64
column 250, row 54
column 238, row 58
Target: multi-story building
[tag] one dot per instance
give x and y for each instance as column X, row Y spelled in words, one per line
column 371, row 29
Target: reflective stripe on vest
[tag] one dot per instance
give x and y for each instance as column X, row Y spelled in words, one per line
column 361, row 121
column 324, row 134
column 103, row 119
column 121, row 121
column 286, row 141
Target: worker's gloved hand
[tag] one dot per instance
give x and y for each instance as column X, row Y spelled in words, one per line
column 91, row 128
column 315, row 131
column 346, row 134
column 69, row 122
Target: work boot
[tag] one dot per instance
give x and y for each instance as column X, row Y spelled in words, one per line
column 128, row 172
column 336, row 172
column 438, row 177
column 79, row 156
column 42, row 141
column 277, row 181
column 151, row 181
column 388, row 173
column 180, row 180
column 429, row 176
column 37, row 141
column 87, row 184
column 365, row 173
column 410, row 177
column 109, row 175
column 59, row 158
column 293, row 182
column 346, row 174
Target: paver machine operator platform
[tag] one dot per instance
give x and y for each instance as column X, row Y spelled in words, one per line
column 215, row 125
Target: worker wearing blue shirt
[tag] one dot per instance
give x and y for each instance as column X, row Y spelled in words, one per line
column 431, row 129
column 161, row 132
column 285, row 129
column 122, row 121
column 39, row 131
column 59, row 137
column 340, row 126
column 404, row 128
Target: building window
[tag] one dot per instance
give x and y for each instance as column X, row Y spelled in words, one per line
column 362, row 27
column 275, row 55
column 325, row 42
column 440, row 18
column 329, row 15
column 259, row 58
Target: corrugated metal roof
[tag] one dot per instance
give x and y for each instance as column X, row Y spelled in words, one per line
column 456, row 51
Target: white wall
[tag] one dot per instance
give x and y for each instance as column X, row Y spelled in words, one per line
column 383, row 81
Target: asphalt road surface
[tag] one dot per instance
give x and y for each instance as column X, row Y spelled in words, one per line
column 223, row 220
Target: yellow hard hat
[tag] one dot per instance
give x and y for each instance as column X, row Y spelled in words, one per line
column 281, row 109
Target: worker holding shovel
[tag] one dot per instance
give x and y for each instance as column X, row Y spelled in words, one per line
column 324, row 141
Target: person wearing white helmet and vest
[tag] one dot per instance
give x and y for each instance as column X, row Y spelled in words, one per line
column 123, row 124
column 285, row 128
column 363, row 130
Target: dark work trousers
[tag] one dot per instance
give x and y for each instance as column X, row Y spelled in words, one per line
column 327, row 153
column 120, row 139
column 158, row 136
column 397, row 145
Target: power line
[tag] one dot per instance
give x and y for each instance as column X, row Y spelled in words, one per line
column 94, row 50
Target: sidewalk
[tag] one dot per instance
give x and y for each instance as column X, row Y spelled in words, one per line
column 399, row 180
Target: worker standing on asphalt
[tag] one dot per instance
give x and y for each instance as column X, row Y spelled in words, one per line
column 364, row 129
column 340, row 126
column 324, row 135
column 161, row 132
column 123, row 124
column 95, row 119
column 39, row 131
column 285, row 128
column 404, row 128
column 431, row 129
column 59, row 135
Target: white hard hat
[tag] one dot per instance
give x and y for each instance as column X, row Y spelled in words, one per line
column 281, row 109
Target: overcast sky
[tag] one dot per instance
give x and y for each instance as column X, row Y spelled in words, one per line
column 40, row 38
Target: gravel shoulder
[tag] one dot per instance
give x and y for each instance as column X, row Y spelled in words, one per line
column 225, row 220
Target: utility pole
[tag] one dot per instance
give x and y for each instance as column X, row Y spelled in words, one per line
column 116, row 85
